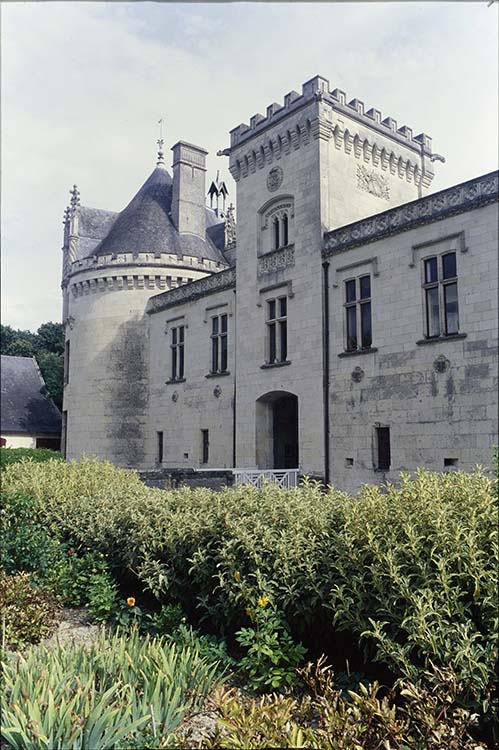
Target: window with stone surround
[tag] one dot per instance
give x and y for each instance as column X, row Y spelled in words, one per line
column 358, row 319
column 177, row 356
column 440, row 295
column 382, row 448
column 277, row 219
column 277, row 330
column 219, row 344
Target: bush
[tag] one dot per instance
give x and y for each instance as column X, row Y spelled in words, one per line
column 37, row 455
column 117, row 691
column 410, row 570
column 412, row 717
column 28, row 613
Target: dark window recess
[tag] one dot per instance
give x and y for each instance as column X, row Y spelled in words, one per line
column 160, row 447
column 66, row 362
column 349, row 461
column 383, row 451
column 450, row 464
column 276, row 233
column 53, row 444
column 285, row 237
column 177, row 353
column 277, row 330
column 440, row 288
column 358, row 313
column 219, row 346
column 205, row 445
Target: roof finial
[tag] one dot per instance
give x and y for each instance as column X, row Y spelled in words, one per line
column 161, row 158
column 75, row 197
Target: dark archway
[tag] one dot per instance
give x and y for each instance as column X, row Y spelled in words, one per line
column 277, row 441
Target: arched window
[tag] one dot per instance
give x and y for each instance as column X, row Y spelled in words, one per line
column 285, row 238
column 275, row 227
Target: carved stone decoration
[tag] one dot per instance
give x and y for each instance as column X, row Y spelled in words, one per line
column 276, row 260
column 357, row 374
column 456, row 199
column 174, row 397
column 217, row 282
column 217, row 391
column 441, row 364
column 372, row 182
column 230, row 228
column 274, row 179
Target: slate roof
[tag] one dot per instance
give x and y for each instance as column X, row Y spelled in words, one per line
column 24, row 407
column 94, row 225
column 145, row 225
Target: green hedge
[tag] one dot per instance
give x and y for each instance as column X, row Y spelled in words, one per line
column 14, row 455
column 409, row 570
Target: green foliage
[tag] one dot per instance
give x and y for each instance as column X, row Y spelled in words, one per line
column 272, row 655
column 26, row 544
column 410, row 719
column 409, row 570
column 37, row 455
column 47, row 345
column 117, row 691
column 27, row 612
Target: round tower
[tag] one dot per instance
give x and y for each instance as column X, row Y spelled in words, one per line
column 112, row 264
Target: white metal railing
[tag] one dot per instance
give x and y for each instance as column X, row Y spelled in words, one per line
column 286, row 479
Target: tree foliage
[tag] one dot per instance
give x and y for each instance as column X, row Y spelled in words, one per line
column 46, row 345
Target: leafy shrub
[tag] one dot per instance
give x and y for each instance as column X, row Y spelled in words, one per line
column 410, row 570
column 416, row 718
column 28, row 613
column 26, row 544
column 37, row 455
column 118, row 689
column 272, row 655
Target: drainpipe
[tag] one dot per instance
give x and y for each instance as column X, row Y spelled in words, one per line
column 235, row 376
column 325, row 367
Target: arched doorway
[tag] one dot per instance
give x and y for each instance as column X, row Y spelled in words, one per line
column 277, row 444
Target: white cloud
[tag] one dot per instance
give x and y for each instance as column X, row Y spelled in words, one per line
column 84, row 85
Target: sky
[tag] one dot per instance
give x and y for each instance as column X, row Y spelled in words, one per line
column 84, row 85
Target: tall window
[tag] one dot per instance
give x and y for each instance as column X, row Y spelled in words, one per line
column 66, row 362
column 383, row 456
column 219, row 343
column 280, row 231
column 277, row 330
column 177, row 353
column 358, row 313
column 205, row 446
column 440, row 290
column 160, row 447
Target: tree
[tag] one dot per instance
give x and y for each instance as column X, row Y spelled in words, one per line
column 46, row 345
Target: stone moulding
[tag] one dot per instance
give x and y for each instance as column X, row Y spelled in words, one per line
column 276, row 260
column 457, row 199
column 218, row 282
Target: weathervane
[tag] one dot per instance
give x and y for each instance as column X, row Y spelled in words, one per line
column 160, row 142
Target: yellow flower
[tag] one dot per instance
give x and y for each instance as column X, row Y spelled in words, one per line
column 237, row 576
column 131, row 601
column 263, row 601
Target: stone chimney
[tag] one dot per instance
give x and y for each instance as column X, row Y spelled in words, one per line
column 188, row 200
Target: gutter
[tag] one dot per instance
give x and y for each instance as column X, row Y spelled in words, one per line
column 325, row 367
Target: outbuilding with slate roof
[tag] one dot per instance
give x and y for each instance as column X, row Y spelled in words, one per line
column 29, row 418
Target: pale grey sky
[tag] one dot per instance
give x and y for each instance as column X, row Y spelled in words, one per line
column 84, row 84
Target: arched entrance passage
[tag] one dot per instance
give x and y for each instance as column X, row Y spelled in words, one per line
column 277, row 431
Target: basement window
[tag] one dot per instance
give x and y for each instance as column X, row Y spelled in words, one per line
column 450, row 464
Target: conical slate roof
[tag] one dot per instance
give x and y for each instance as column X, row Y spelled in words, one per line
column 145, row 226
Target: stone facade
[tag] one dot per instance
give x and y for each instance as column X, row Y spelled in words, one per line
column 326, row 194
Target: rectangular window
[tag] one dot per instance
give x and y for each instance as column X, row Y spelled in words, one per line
column 440, row 289
column 358, row 317
column 205, row 446
column 383, row 451
column 160, row 447
column 219, row 345
column 277, row 330
column 177, row 353
column 66, row 362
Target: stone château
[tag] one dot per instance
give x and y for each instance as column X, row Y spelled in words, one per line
column 348, row 330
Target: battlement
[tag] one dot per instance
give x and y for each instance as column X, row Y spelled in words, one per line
column 317, row 88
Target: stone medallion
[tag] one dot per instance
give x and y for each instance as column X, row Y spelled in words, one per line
column 274, row 179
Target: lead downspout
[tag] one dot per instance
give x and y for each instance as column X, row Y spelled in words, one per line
column 235, row 377
column 325, row 367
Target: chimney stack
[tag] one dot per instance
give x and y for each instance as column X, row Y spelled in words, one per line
column 188, row 201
